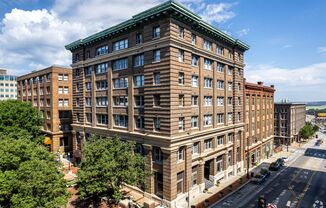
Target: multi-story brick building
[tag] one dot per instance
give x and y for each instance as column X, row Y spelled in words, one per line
column 259, row 120
column 289, row 119
column 50, row 91
column 8, row 86
column 172, row 83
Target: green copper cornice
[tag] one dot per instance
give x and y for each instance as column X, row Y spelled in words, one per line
column 170, row 7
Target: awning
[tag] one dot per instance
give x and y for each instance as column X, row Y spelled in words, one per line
column 47, row 141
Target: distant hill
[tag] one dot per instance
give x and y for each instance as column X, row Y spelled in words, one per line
column 317, row 103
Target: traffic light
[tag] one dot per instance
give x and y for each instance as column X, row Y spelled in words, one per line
column 261, row 202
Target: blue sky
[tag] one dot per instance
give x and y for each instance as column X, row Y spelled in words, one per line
column 287, row 37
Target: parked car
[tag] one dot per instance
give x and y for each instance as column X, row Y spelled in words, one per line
column 258, row 179
column 280, row 161
column 274, row 166
column 265, row 172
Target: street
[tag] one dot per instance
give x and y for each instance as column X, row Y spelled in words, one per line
column 301, row 183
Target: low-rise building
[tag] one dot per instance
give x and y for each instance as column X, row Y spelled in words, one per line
column 259, row 122
column 50, row 91
column 8, row 85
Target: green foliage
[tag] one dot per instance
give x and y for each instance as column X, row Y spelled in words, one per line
column 29, row 176
column 17, row 117
column 107, row 164
column 308, row 130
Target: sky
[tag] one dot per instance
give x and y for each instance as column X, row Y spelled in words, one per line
column 287, row 38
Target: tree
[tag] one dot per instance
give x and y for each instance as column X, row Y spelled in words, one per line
column 29, row 176
column 315, row 128
column 17, row 116
column 107, row 164
column 308, row 130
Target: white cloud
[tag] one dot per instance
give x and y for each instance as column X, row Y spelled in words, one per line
column 220, row 12
column 301, row 83
column 243, row 32
column 287, row 46
column 321, row 49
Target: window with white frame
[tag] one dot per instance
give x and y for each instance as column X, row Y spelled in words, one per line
column 195, row 60
column 139, row 80
column 139, row 38
column 181, row 100
column 101, row 101
column 181, row 124
column 208, row 100
column 195, row 148
column 156, row 55
column 120, row 64
column 181, row 32
column 101, row 68
column 181, row 78
column 220, row 118
column 220, row 101
column 207, row 45
column 194, row 175
column 180, row 182
column 119, row 45
column 157, row 154
column 88, row 102
column 229, row 100
column 219, row 50
column 180, row 154
column 60, row 90
column 230, row 138
column 157, row 124
column 157, row 78
column 66, row 90
column 230, row 86
column 208, row 64
column 220, row 67
column 101, row 85
column 139, row 60
column 88, row 118
column 120, row 100
column 230, row 70
column 157, row 100
column 207, row 120
column 220, row 84
column 194, row 121
column 139, row 101
column 88, row 71
column 219, row 164
column 156, row 32
column 220, row 140
column 230, row 117
column 194, row 81
column 194, row 100
column 140, row 122
column 102, row 119
column 181, row 55
column 193, row 39
column 102, row 50
column 208, row 144
column 120, row 82
column 208, row 82
column 121, row 120
column 88, row 86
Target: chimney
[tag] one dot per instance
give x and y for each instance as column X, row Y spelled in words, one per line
column 260, row 83
column 272, row 86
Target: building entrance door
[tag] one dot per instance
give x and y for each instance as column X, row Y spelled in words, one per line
column 207, row 170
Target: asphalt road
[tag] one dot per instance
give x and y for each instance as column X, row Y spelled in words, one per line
column 301, row 185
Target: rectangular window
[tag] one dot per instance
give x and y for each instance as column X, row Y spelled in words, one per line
column 119, row 45
column 195, row 148
column 140, row 122
column 230, row 86
column 193, row 39
column 195, row 60
column 102, row 119
column 121, row 120
column 208, row 144
column 181, row 100
column 230, row 117
column 120, row 100
column 194, row 81
column 181, row 78
column 60, row 90
column 157, row 155
column 157, row 78
column 194, row 100
column 60, row 77
column 157, row 100
column 101, row 85
column 120, row 64
column 157, row 124
column 207, row 82
column 207, row 45
column 220, row 84
column 230, row 70
column 219, row 50
column 139, row 101
column 181, row 32
column 194, row 121
column 181, row 124
column 65, row 77
column 89, row 118
column 220, row 140
column 208, row 100
column 181, row 55
column 139, row 80
column 120, row 83
column 101, row 68
column 88, row 86
column 230, row 138
column 88, row 71
column 88, row 102
column 207, row 120
column 208, row 64
column 139, row 60
column 101, row 101
column 220, row 67
column 219, row 164
column 229, row 100
column 139, row 38
column 220, row 118
column 156, row 55
column 156, row 32
column 180, row 183
column 102, row 50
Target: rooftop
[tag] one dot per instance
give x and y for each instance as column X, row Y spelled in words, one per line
column 170, row 7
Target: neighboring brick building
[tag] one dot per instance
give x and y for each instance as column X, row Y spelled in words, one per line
column 259, row 120
column 172, row 83
column 289, row 119
column 8, row 86
column 50, row 91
